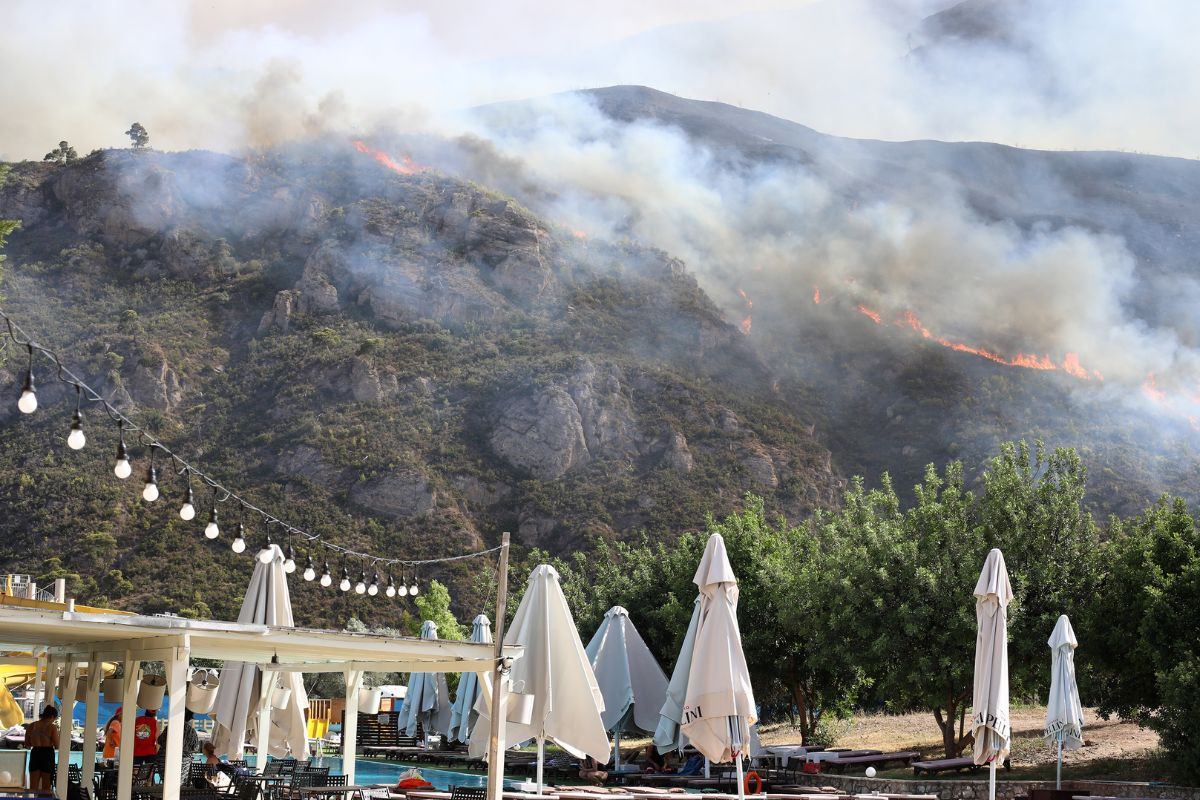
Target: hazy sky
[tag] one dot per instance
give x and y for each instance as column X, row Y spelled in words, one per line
column 223, row 73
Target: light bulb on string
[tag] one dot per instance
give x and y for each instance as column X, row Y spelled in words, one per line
column 326, row 578
column 187, row 511
column 413, row 588
column 28, row 400
column 267, row 553
column 76, row 438
column 150, row 490
column 212, row 530
column 289, row 563
column 122, row 469
column 391, row 587
column 239, row 541
column 309, row 573
column 402, row 589
column 344, row 585
column 373, row 587
column 361, row 586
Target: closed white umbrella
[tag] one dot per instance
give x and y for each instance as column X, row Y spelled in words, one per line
column 668, row 734
column 427, row 701
column 240, row 693
column 631, row 681
column 718, row 707
column 555, row 670
column 1064, row 713
column 990, row 721
column 462, row 713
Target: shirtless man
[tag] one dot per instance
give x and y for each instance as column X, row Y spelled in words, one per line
column 41, row 738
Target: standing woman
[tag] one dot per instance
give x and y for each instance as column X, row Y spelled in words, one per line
column 112, row 736
column 42, row 739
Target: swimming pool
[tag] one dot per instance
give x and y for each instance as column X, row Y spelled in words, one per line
column 370, row 770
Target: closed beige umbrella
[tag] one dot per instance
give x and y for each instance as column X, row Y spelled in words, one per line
column 240, row 693
column 1064, row 713
column 990, row 722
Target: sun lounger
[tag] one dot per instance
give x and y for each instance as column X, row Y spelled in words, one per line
column 949, row 765
column 877, row 760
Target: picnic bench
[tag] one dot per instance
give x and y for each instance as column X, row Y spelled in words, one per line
column 949, row 765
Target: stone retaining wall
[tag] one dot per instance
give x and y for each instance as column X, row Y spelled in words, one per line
column 976, row 789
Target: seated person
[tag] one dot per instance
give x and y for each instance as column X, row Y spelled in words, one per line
column 590, row 771
column 217, row 766
column 656, row 761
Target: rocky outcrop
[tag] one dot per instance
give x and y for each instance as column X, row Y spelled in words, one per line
column 558, row 428
column 677, row 455
column 279, row 318
column 400, row 494
column 759, row 464
column 371, row 385
column 305, row 462
column 155, row 385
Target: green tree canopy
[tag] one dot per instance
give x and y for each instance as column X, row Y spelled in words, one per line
column 63, row 154
column 138, row 135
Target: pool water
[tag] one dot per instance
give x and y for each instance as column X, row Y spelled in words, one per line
column 370, row 770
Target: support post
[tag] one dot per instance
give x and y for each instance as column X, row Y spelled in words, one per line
column 64, row 728
column 992, row 781
column 350, row 727
column 91, row 716
column 39, row 682
column 541, row 765
column 177, row 691
column 129, row 690
column 617, row 751
column 1058, row 773
column 495, row 783
column 262, row 726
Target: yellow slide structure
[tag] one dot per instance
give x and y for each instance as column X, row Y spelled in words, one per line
column 13, row 676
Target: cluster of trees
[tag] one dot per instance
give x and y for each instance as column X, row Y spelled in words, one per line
column 65, row 153
column 870, row 606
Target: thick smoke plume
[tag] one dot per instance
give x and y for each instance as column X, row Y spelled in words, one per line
column 1048, row 73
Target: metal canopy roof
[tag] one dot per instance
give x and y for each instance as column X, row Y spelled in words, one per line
column 75, row 636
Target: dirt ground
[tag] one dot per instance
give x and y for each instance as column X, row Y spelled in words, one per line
column 1105, row 740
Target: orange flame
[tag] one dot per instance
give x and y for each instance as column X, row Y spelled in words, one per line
column 748, row 322
column 817, row 295
column 873, row 315
column 406, row 166
column 1151, row 390
column 579, row 234
column 1072, row 367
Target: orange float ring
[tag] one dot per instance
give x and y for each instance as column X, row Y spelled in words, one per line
column 758, row 783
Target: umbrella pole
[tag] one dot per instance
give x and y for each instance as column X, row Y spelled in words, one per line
column 541, row 761
column 741, row 782
column 617, row 750
column 992, row 781
column 1058, row 774
column 707, row 770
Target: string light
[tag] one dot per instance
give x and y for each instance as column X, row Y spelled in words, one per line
column 187, row 512
column 76, row 439
column 122, row 469
column 212, row 530
column 239, row 541
column 150, row 490
column 27, row 403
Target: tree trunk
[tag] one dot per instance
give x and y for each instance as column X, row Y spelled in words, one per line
column 951, row 743
column 800, row 699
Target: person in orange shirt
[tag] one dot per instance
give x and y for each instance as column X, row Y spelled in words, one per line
column 112, row 736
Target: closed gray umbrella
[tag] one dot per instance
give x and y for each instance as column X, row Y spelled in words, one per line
column 240, row 693
column 631, row 681
column 427, row 700
column 990, row 721
column 462, row 713
column 668, row 734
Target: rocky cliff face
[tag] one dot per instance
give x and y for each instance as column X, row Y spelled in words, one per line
column 413, row 361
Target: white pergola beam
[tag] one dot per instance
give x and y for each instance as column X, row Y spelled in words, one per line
column 176, row 670
column 456, row 665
